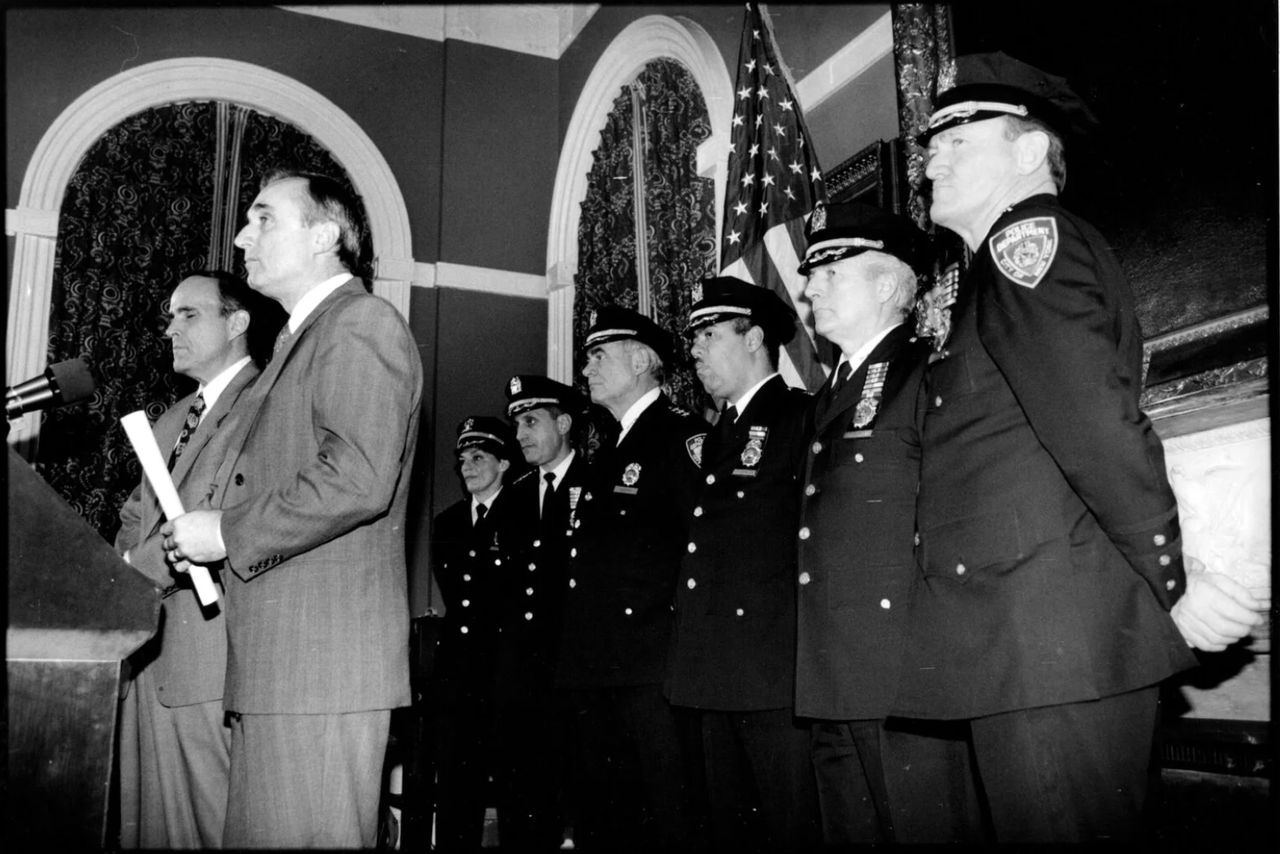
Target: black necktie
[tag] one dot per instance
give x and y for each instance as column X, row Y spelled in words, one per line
column 188, row 427
column 550, row 494
column 480, row 511
column 842, row 374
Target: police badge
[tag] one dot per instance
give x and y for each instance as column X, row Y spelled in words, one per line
column 818, row 219
column 694, row 446
column 752, row 453
column 515, row 385
column 1024, row 251
column 869, row 404
column 631, row 475
column 468, row 424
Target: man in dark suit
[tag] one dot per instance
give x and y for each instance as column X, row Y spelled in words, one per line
column 856, row 530
column 533, row 732
column 312, row 496
column 734, row 653
column 473, row 542
column 174, row 746
column 629, row 533
column 1053, row 594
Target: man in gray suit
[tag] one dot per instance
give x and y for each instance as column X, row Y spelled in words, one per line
column 312, row 496
column 174, row 746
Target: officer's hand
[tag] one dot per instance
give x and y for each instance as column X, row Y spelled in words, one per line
column 1216, row 611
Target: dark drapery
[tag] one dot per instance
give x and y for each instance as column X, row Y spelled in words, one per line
column 924, row 63
column 679, row 214
column 136, row 219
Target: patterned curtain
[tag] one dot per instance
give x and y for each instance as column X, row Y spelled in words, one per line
column 137, row 217
column 924, row 63
column 679, row 215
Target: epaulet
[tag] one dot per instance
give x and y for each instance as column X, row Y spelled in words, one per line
column 1024, row 250
column 524, row 476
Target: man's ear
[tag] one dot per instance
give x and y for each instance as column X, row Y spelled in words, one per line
column 1031, row 149
column 503, row 464
column 326, row 236
column 639, row 361
column 564, row 423
column 754, row 339
column 237, row 322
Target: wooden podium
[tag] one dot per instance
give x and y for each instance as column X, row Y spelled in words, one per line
column 75, row 611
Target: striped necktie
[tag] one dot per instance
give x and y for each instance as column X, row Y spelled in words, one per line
column 188, row 427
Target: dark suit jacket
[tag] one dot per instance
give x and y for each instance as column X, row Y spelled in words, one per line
column 857, row 525
column 627, row 547
column 1049, row 540
column 533, row 592
column 313, row 498
column 189, row 656
column 472, row 563
column 735, row 600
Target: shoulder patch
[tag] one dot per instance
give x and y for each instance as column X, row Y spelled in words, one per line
column 694, row 446
column 1024, row 250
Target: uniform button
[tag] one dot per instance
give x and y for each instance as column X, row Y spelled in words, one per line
column 472, row 553
column 917, row 538
column 1158, row 539
column 573, row 552
column 497, row 561
column 804, row 578
column 810, row 489
column 691, row 583
column 1170, row 584
column 586, row 497
column 804, row 533
column 1165, row 560
column 528, row 615
column 817, row 447
column 573, row 583
column 959, row 569
column 528, row 591
column 537, row 543
column 627, row 612
column 857, row 458
column 622, row 512
column 711, row 479
column 884, row 603
column 239, row 479
column 464, row 630
column 693, row 547
column 532, row 567
column 466, row 603
column 740, row 612
column 937, row 401
column 740, row 493
column 697, row 511
column 466, row 576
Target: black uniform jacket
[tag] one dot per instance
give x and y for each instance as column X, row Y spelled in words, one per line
column 534, row 587
column 1049, row 539
column 856, row 546
column 628, row 537
column 735, row 604
column 470, row 564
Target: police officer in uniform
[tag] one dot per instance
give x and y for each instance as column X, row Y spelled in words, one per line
column 629, row 535
column 531, row 725
column 856, row 532
column 471, row 545
column 734, row 656
column 1053, row 595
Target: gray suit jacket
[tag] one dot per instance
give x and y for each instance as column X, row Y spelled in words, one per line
column 191, row 650
column 313, row 493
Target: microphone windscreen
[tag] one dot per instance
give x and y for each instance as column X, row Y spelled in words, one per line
column 73, row 379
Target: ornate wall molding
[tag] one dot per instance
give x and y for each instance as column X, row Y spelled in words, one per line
column 646, row 39
column 34, row 221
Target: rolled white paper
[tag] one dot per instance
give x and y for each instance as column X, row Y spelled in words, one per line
column 138, row 429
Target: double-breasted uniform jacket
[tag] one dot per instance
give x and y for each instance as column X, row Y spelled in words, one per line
column 190, row 654
column 535, row 586
column 734, row 644
column 1049, row 540
column 313, row 495
column 629, row 535
column 856, row 532
column 471, row 563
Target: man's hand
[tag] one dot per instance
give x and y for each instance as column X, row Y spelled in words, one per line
column 194, row 537
column 1216, row 611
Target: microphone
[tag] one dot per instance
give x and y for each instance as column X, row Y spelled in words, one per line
column 61, row 383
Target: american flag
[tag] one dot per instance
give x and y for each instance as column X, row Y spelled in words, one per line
column 773, row 183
